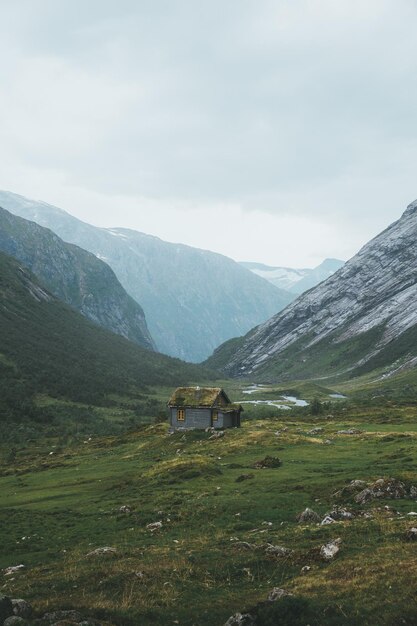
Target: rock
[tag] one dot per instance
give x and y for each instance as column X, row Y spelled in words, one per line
column 22, row 608
column 277, row 593
column 382, row 488
column 154, row 526
column 308, row 516
column 60, row 616
column 349, row 431
column 305, row 569
column 413, row 491
column 243, row 477
column 327, row 520
column 267, row 462
column 106, row 550
column 411, row 534
column 315, row 431
column 340, row 514
column 6, row 608
column 245, row 545
column 13, row 570
column 15, row 620
column 277, row 551
column 217, row 434
column 329, row 550
column 125, row 509
column 239, row 619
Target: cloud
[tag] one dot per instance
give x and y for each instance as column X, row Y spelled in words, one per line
column 294, row 110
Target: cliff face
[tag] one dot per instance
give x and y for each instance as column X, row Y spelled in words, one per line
column 74, row 276
column 370, row 302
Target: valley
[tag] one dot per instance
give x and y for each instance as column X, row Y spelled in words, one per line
column 194, row 532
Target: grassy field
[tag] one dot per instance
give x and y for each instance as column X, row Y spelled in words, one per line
column 60, row 501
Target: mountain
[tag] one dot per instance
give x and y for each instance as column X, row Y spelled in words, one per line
column 362, row 318
column 193, row 299
column 74, row 276
column 295, row 281
column 49, row 348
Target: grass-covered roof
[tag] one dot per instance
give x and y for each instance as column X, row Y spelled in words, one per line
column 197, row 396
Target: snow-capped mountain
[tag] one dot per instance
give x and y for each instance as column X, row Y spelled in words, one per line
column 363, row 317
column 193, row 299
column 293, row 280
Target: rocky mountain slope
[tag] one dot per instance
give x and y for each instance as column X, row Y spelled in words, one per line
column 296, row 281
column 193, row 299
column 361, row 318
column 74, row 276
column 48, row 348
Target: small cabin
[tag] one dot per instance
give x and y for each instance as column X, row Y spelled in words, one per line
column 203, row 407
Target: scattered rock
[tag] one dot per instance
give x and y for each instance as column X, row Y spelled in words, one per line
column 349, row 431
column 277, row 551
column 6, row 608
column 411, row 534
column 13, row 570
column 22, row 608
column 15, row 620
column 218, row 434
column 382, row 488
column 106, row 550
column 315, row 431
column 267, row 462
column 413, row 491
column 305, row 569
column 243, row 477
column 239, row 619
column 329, row 550
column 327, row 520
column 308, row 516
column 340, row 514
column 277, row 594
column 153, row 526
column 125, row 509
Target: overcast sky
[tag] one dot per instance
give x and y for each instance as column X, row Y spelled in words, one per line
column 280, row 131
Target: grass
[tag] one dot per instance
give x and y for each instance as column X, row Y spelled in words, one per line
column 56, row 508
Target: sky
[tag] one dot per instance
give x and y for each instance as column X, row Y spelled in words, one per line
column 280, row 131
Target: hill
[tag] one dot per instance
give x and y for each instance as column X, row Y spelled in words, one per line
column 49, row 350
column 363, row 318
column 74, row 276
column 193, row 299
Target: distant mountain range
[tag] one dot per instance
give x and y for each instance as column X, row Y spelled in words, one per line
column 296, row 281
column 48, row 348
column 74, row 276
column 193, row 299
column 361, row 319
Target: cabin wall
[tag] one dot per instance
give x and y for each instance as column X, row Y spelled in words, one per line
column 194, row 418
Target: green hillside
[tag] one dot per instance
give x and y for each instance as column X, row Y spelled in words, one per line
column 48, row 349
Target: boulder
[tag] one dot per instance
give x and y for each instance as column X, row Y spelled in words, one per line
column 62, row 616
column 382, row 488
column 411, row 534
column 329, row 550
column 327, row 520
column 240, row 619
column 413, row 492
column 277, row 593
column 22, row 608
column 105, row 551
column 6, row 608
column 349, row 431
column 308, row 516
column 340, row 514
column 153, row 526
column 315, row 431
column 14, row 569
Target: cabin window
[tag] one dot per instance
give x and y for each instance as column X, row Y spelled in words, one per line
column 181, row 415
column 215, row 416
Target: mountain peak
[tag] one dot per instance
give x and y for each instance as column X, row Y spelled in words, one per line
column 411, row 208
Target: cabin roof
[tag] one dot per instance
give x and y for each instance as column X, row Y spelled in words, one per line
column 200, row 397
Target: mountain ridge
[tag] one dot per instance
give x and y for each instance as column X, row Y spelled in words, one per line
column 75, row 276
column 368, row 303
column 193, row 299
